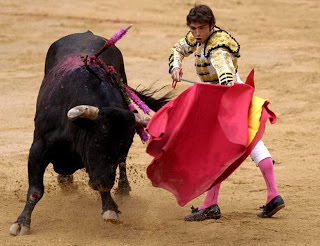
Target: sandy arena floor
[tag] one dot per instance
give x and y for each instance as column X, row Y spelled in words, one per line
column 279, row 39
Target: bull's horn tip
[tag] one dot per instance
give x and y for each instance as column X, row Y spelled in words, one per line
column 74, row 113
column 83, row 111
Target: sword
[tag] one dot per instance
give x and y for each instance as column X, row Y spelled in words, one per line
column 190, row 81
column 174, row 83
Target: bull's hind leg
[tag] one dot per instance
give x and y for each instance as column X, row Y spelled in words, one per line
column 64, row 180
column 110, row 211
column 123, row 183
column 36, row 169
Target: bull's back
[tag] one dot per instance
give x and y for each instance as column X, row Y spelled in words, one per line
column 83, row 44
column 68, row 83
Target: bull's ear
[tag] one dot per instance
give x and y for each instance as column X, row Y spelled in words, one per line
column 83, row 111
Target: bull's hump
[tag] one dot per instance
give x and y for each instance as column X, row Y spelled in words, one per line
column 77, row 43
column 83, row 36
column 88, row 32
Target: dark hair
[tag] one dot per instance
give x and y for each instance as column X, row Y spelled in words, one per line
column 201, row 13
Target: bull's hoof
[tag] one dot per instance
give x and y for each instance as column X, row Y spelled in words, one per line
column 112, row 216
column 65, row 180
column 123, row 188
column 18, row 229
column 123, row 191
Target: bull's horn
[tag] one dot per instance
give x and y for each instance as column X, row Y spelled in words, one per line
column 83, row 111
column 141, row 120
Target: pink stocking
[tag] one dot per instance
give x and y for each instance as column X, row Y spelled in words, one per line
column 212, row 197
column 266, row 168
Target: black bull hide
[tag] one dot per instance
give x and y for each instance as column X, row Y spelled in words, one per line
column 99, row 145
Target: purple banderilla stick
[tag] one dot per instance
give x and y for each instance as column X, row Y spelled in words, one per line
column 118, row 35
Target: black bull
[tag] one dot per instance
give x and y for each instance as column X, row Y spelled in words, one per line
column 98, row 138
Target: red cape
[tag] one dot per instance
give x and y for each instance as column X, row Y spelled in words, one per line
column 198, row 139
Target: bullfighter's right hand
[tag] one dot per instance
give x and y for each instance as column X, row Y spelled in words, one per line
column 176, row 74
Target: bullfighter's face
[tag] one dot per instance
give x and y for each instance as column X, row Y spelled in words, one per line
column 200, row 31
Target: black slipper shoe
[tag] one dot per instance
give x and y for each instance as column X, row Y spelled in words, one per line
column 212, row 212
column 272, row 207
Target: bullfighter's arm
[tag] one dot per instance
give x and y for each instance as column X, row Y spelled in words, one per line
column 223, row 62
column 183, row 48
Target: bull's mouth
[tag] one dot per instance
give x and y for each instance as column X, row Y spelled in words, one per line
column 100, row 187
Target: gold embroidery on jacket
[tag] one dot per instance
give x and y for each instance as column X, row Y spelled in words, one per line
column 221, row 39
column 224, row 64
column 190, row 40
column 180, row 50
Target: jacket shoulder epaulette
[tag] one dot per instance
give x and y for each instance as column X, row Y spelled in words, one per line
column 190, row 40
column 221, row 39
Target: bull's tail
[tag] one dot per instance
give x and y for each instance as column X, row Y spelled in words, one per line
column 147, row 96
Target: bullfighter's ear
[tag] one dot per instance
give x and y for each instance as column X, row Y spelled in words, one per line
column 83, row 111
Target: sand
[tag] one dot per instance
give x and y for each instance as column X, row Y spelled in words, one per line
column 279, row 39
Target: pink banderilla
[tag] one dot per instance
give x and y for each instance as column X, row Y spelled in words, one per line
column 118, row 35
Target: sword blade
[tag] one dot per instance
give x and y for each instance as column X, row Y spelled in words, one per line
column 190, row 81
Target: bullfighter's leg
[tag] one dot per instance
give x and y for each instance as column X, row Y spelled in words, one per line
column 209, row 208
column 263, row 160
column 36, row 169
column 110, row 211
column 261, row 156
column 123, row 183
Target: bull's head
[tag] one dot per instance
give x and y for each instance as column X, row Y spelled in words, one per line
column 91, row 113
column 106, row 141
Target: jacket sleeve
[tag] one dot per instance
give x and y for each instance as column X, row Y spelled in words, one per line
column 224, row 63
column 180, row 50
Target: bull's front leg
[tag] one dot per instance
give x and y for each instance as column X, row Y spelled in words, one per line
column 110, row 211
column 36, row 168
column 123, row 183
